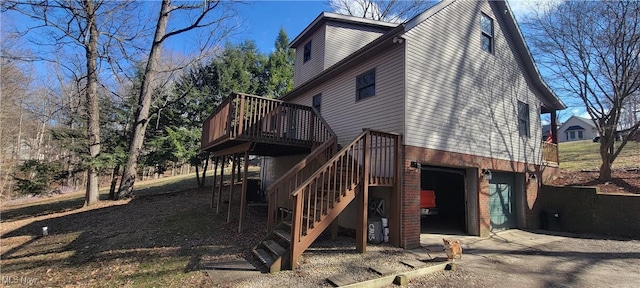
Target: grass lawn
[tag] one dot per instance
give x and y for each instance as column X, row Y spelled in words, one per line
column 585, row 155
column 160, row 238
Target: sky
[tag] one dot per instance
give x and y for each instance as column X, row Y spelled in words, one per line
column 261, row 20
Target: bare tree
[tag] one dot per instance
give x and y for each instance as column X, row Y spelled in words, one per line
column 383, row 10
column 13, row 90
column 73, row 27
column 591, row 50
column 213, row 16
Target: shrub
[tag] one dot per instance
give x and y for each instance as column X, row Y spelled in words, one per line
column 35, row 177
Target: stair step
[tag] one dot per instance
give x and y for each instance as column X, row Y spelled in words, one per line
column 263, row 256
column 275, row 248
column 288, row 224
column 283, row 234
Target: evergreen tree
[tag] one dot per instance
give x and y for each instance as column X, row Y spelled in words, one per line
column 280, row 67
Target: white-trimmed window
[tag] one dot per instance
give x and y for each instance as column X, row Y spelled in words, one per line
column 486, row 25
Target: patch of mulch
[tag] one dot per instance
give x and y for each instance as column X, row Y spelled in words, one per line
column 623, row 182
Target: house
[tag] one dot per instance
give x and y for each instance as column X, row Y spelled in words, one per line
column 448, row 101
column 577, row 128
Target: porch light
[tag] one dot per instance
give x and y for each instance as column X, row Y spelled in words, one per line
column 486, row 174
column 532, row 176
column 415, row 164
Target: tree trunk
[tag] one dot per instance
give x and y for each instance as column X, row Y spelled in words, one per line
column 238, row 177
column 197, row 176
column 202, row 183
column 114, row 182
column 144, row 103
column 605, row 168
column 93, row 114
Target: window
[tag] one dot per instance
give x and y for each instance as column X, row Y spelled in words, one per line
column 307, row 51
column 486, row 24
column 580, row 135
column 317, row 101
column 523, row 118
column 366, row 85
column 572, row 135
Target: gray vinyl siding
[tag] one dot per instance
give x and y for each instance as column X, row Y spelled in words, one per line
column 342, row 39
column 272, row 168
column 463, row 99
column 305, row 71
column 384, row 111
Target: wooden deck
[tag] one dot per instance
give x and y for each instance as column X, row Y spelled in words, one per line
column 273, row 127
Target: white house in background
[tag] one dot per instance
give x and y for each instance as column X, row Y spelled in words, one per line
column 576, row 129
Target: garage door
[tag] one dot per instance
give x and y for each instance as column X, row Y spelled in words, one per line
column 501, row 201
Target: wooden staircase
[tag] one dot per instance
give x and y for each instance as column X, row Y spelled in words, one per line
column 317, row 199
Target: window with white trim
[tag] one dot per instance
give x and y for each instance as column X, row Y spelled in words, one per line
column 486, row 25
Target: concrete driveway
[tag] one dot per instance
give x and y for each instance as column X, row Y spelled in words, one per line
column 517, row 258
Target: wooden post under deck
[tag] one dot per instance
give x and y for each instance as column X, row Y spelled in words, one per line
column 213, row 186
column 363, row 200
column 233, row 171
column 243, row 197
column 219, row 202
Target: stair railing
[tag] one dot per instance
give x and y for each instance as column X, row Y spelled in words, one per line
column 373, row 153
column 280, row 207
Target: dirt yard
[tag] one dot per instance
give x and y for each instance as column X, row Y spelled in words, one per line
column 623, row 181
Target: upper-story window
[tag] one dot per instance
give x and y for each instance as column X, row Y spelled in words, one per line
column 486, row 24
column 317, row 102
column 366, row 84
column 523, row 119
column 307, row 51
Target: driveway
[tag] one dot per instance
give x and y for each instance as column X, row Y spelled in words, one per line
column 518, row 258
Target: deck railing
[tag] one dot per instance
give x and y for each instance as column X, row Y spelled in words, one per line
column 260, row 119
column 550, row 152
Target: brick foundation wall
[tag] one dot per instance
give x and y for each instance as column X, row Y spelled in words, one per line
column 411, row 187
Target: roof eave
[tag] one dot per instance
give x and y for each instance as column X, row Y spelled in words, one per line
column 552, row 102
column 327, row 16
column 376, row 46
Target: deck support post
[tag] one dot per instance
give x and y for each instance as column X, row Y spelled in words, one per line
column 554, row 127
column 213, row 186
column 396, row 199
column 243, row 197
column 233, row 171
column 219, row 202
column 363, row 199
